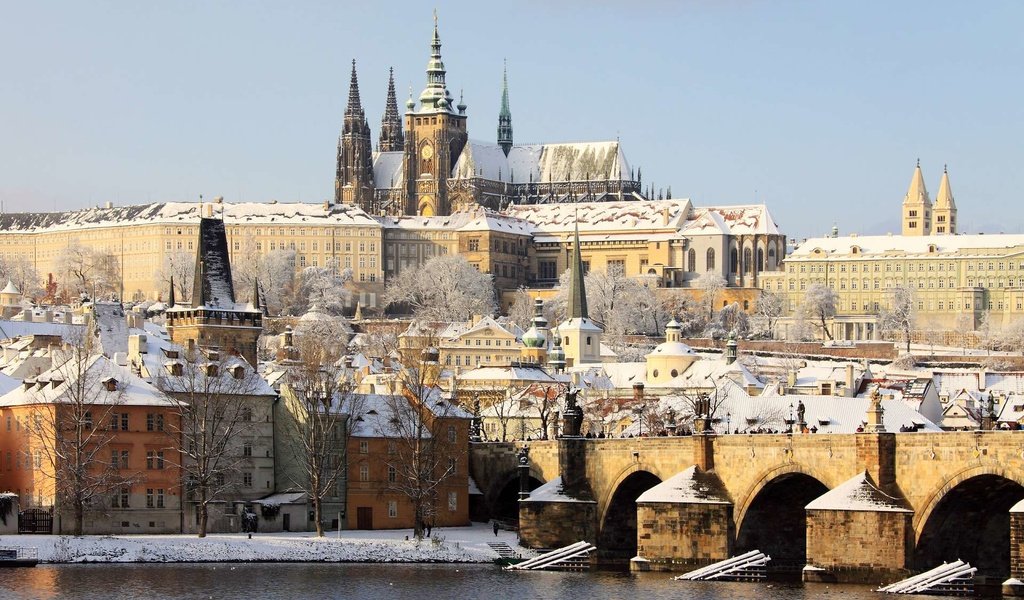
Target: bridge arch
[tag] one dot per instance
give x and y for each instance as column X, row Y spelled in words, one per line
column 771, row 517
column 502, row 497
column 967, row 517
column 617, row 536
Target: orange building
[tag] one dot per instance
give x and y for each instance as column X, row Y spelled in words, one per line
column 116, row 423
column 390, row 435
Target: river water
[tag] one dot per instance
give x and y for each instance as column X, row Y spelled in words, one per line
column 273, row 581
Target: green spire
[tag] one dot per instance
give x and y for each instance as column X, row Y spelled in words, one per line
column 505, row 116
column 577, row 290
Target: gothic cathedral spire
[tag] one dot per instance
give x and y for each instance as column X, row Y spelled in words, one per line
column 577, row 290
column 505, row 116
column 353, row 183
column 391, row 137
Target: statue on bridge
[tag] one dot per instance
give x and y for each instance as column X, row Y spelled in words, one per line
column 572, row 418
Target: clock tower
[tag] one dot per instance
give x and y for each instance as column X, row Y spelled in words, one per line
column 436, row 135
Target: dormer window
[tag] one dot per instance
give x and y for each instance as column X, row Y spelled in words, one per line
column 210, row 369
column 110, row 384
column 238, row 372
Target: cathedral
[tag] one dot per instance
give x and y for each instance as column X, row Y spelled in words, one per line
column 428, row 166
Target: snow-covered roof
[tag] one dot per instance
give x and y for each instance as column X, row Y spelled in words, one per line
column 387, row 169
column 282, row 498
column 13, row 329
column 112, row 326
column 131, row 389
column 689, row 486
column 946, row 246
column 542, row 163
column 506, row 373
column 552, row 491
column 559, row 220
column 857, row 494
column 172, row 213
column 733, row 220
column 10, row 288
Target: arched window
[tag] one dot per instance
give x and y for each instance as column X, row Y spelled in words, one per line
column 734, row 259
column 691, row 260
column 711, row 259
column 748, row 264
column 760, row 260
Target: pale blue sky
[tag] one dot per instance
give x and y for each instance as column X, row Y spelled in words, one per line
column 818, row 109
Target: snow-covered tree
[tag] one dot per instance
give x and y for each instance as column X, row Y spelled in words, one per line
column 730, row 319
column 711, row 284
column 819, row 306
column 900, row 312
column 276, row 273
column 445, row 288
column 521, row 310
column 624, row 305
column 22, row 272
column 324, row 288
column 767, row 312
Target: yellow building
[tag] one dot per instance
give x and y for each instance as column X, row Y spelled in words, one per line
column 955, row 280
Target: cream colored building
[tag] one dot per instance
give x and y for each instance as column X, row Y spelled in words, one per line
column 142, row 236
column 955, row 279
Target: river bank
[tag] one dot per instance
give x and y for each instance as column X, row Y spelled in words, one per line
column 449, row 545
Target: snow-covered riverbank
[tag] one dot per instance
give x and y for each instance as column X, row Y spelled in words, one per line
column 457, row 544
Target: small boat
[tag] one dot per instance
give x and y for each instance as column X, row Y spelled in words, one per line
column 16, row 556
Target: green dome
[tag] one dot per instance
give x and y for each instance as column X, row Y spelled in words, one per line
column 533, row 338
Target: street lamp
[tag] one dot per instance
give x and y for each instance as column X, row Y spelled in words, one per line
column 728, row 421
column 790, row 420
column 639, row 412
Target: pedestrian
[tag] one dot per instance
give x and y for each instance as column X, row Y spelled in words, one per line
column 495, row 528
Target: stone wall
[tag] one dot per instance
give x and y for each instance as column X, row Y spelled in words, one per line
column 546, row 525
column 882, row 351
column 858, row 546
column 683, row 537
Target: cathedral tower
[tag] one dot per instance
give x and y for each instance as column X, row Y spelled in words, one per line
column 435, row 137
column 917, row 207
column 505, row 116
column 353, row 183
column 581, row 337
column 944, row 212
column 391, row 138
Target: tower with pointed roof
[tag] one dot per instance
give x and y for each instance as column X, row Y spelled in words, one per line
column 944, row 211
column 917, row 206
column 505, row 116
column 581, row 337
column 435, row 137
column 213, row 320
column 353, row 182
column 391, row 137
column 535, row 340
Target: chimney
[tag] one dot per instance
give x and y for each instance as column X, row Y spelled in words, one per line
column 136, row 344
column 849, row 376
column 208, row 211
column 982, row 376
column 638, row 391
column 791, row 378
column 108, row 204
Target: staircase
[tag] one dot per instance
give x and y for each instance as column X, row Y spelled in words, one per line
column 503, row 550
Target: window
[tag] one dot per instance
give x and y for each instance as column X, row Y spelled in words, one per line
column 392, row 474
column 247, row 449
column 118, row 459
column 364, row 447
column 247, row 479
column 392, row 509
column 155, row 459
column 119, row 420
column 453, row 501
column 364, row 472
column 246, row 413
column 154, row 422
column 150, row 498
column 120, row 498
column 473, row 244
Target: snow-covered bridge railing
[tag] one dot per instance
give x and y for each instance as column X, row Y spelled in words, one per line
column 574, row 557
column 948, row 578
column 745, row 567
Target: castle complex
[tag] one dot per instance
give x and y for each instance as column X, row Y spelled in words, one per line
column 432, row 168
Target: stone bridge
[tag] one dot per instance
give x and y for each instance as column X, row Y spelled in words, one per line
column 851, row 507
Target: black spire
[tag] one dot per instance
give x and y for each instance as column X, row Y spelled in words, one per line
column 391, row 137
column 212, row 286
column 170, row 294
column 353, row 180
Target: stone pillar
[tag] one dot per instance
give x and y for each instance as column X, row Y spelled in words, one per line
column 1014, row 586
column 876, row 454
column 704, row 451
column 572, row 466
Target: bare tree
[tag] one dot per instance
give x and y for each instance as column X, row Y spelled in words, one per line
column 900, row 313
column 445, row 288
column 544, row 399
column 216, row 412
column 178, row 266
column 70, row 429
column 89, row 271
column 319, row 399
column 275, row 271
column 323, row 288
column 422, row 425
column 820, row 305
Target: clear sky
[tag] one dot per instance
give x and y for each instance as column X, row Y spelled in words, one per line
column 818, row 109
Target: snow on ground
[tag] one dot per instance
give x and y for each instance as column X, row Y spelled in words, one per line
column 455, row 544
